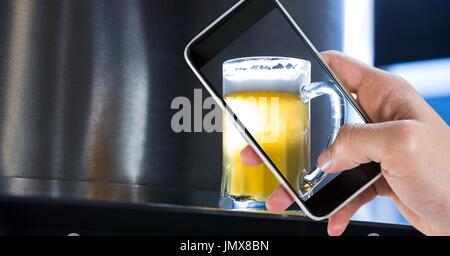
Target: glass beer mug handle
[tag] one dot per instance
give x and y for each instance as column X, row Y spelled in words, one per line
column 307, row 93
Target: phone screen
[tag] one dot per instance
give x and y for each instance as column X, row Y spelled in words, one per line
column 259, row 64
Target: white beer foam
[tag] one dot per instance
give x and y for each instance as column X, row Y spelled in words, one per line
column 265, row 74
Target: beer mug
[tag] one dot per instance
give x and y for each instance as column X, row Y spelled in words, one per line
column 271, row 97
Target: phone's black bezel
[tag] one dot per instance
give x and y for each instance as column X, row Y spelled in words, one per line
column 224, row 32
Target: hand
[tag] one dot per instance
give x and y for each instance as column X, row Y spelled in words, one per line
column 409, row 140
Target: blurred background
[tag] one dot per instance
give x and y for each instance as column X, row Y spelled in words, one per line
column 410, row 39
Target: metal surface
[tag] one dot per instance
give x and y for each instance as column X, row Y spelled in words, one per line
column 86, row 87
column 189, row 201
column 25, row 216
column 111, row 192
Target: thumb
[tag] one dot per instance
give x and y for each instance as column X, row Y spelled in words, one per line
column 357, row 144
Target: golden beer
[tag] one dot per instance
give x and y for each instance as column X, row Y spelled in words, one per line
column 277, row 120
column 263, row 92
column 271, row 97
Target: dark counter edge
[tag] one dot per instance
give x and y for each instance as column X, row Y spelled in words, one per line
column 49, row 216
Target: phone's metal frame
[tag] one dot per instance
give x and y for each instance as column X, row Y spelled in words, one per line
column 241, row 128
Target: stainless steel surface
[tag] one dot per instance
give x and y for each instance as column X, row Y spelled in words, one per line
column 187, row 200
column 86, row 87
column 25, row 215
column 111, row 192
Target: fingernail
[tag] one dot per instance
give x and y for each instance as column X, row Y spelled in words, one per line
column 336, row 229
column 324, row 160
column 337, row 223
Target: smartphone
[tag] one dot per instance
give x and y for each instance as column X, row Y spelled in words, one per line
column 265, row 28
